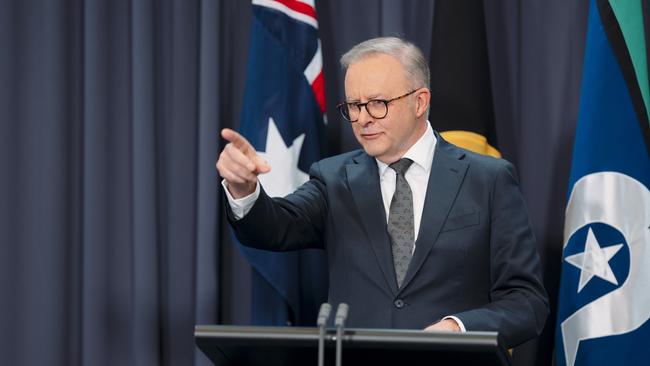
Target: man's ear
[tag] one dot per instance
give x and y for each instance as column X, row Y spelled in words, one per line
column 422, row 100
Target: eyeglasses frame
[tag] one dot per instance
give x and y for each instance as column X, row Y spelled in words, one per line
column 365, row 105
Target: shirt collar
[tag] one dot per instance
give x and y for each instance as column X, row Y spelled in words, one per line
column 421, row 152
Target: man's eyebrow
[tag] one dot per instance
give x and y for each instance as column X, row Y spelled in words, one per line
column 371, row 96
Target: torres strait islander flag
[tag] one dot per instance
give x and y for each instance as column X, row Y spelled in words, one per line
column 604, row 298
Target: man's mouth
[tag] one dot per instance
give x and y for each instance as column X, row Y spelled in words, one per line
column 370, row 136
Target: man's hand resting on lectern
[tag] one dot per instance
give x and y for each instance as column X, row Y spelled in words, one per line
column 448, row 325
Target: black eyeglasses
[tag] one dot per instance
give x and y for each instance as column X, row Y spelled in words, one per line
column 376, row 108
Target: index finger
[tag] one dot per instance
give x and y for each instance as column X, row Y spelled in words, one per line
column 238, row 140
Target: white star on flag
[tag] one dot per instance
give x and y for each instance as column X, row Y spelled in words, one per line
column 285, row 176
column 594, row 261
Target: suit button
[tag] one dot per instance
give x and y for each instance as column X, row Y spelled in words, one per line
column 399, row 303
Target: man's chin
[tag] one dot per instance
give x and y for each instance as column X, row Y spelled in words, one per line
column 374, row 152
column 374, row 148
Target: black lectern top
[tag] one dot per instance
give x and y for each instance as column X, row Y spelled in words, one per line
column 287, row 346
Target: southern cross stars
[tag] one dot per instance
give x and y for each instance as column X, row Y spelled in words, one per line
column 284, row 176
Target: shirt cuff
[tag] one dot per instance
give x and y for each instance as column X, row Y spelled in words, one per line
column 241, row 206
column 458, row 321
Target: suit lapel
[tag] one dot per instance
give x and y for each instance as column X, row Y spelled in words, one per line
column 445, row 179
column 363, row 178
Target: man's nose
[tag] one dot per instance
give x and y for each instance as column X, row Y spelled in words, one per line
column 364, row 117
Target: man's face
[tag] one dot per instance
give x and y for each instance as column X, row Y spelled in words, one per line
column 383, row 77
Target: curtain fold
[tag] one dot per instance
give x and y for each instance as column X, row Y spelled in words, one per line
column 110, row 141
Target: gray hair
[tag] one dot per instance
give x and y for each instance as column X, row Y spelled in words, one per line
column 408, row 54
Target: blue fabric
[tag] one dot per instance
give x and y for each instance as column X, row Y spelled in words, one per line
column 608, row 139
column 287, row 287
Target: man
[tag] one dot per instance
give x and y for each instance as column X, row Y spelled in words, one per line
column 419, row 234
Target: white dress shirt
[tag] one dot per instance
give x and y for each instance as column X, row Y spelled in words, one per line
column 417, row 177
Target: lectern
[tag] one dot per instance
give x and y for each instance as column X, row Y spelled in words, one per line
column 287, row 346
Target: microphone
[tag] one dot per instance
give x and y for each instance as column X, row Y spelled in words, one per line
column 339, row 322
column 323, row 315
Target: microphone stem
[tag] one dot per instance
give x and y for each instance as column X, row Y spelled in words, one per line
column 339, row 346
column 321, row 346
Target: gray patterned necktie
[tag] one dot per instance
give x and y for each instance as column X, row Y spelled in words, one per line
column 400, row 221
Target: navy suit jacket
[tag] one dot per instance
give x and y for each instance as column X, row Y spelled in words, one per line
column 475, row 255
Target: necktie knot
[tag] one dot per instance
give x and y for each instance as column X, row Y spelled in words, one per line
column 401, row 166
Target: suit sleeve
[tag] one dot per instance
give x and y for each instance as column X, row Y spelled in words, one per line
column 518, row 304
column 281, row 224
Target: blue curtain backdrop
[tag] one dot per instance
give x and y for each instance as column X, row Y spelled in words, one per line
column 112, row 243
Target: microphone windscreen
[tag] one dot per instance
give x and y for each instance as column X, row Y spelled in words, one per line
column 341, row 314
column 323, row 314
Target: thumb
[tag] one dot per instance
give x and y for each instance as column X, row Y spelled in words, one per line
column 261, row 166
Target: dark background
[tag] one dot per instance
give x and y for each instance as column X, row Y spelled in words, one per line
column 112, row 241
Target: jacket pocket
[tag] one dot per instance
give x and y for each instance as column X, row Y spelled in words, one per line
column 461, row 221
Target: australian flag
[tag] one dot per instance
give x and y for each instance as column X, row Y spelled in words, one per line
column 283, row 117
column 604, row 299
